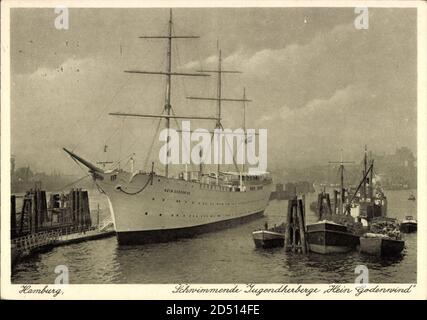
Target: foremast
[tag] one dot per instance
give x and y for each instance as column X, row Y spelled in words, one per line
column 168, row 73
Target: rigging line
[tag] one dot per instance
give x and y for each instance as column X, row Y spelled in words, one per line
column 102, row 113
column 231, row 149
column 152, row 142
column 179, row 128
column 111, row 135
column 140, row 190
column 78, row 163
column 120, row 140
column 179, row 62
column 128, row 157
column 74, row 182
column 122, row 159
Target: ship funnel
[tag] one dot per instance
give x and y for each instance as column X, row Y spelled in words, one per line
column 91, row 166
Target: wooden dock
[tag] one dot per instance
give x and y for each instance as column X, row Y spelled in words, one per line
column 83, row 236
column 44, row 241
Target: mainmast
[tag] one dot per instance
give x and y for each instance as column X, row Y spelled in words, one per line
column 244, row 124
column 168, row 91
column 218, row 123
column 168, row 74
column 219, row 99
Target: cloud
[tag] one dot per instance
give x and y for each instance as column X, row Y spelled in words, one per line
column 70, row 67
column 339, row 87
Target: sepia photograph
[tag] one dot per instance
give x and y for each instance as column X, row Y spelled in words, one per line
column 260, row 148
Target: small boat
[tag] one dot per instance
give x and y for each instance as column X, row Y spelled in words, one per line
column 270, row 237
column 408, row 225
column 412, row 197
column 326, row 237
column 380, row 245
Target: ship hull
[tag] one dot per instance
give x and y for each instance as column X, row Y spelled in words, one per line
column 408, row 227
column 166, row 235
column 268, row 239
column 381, row 247
column 160, row 209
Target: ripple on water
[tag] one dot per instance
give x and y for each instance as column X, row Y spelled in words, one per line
column 226, row 256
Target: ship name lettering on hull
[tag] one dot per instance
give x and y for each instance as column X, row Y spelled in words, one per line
column 177, row 191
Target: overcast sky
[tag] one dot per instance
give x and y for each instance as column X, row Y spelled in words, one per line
column 317, row 83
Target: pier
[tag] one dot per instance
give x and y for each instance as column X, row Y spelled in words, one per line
column 39, row 227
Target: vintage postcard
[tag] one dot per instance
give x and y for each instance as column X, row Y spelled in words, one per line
column 213, row 150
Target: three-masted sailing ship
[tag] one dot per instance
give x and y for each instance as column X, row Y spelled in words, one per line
column 149, row 207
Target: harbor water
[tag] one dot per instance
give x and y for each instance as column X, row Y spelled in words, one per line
column 227, row 256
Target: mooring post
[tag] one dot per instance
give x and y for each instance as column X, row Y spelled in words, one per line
column 288, row 226
column 71, row 205
column 23, row 215
column 44, row 207
column 294, row 225
column 88, row 219
column 80, row 208
column 301, row 224
column 295, row 240
column 33, row 213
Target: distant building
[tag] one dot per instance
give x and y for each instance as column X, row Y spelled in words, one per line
column 398, row 170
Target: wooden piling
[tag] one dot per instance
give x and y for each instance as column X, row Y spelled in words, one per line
column 79, row 208
column 44, row 207
column 34, row 216
column 301, row 225
column 295, row 227
column 73, row 205
column 288, row 226
column 294, row 233
column 13, row 216
column 24, row 210
column 88, row 219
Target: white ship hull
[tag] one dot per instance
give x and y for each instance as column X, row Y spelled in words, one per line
column 169, row 208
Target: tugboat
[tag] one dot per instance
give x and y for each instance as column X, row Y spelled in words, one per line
column 327, row 236
column 270, row 238
column 368, row 201
column 408, row 225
